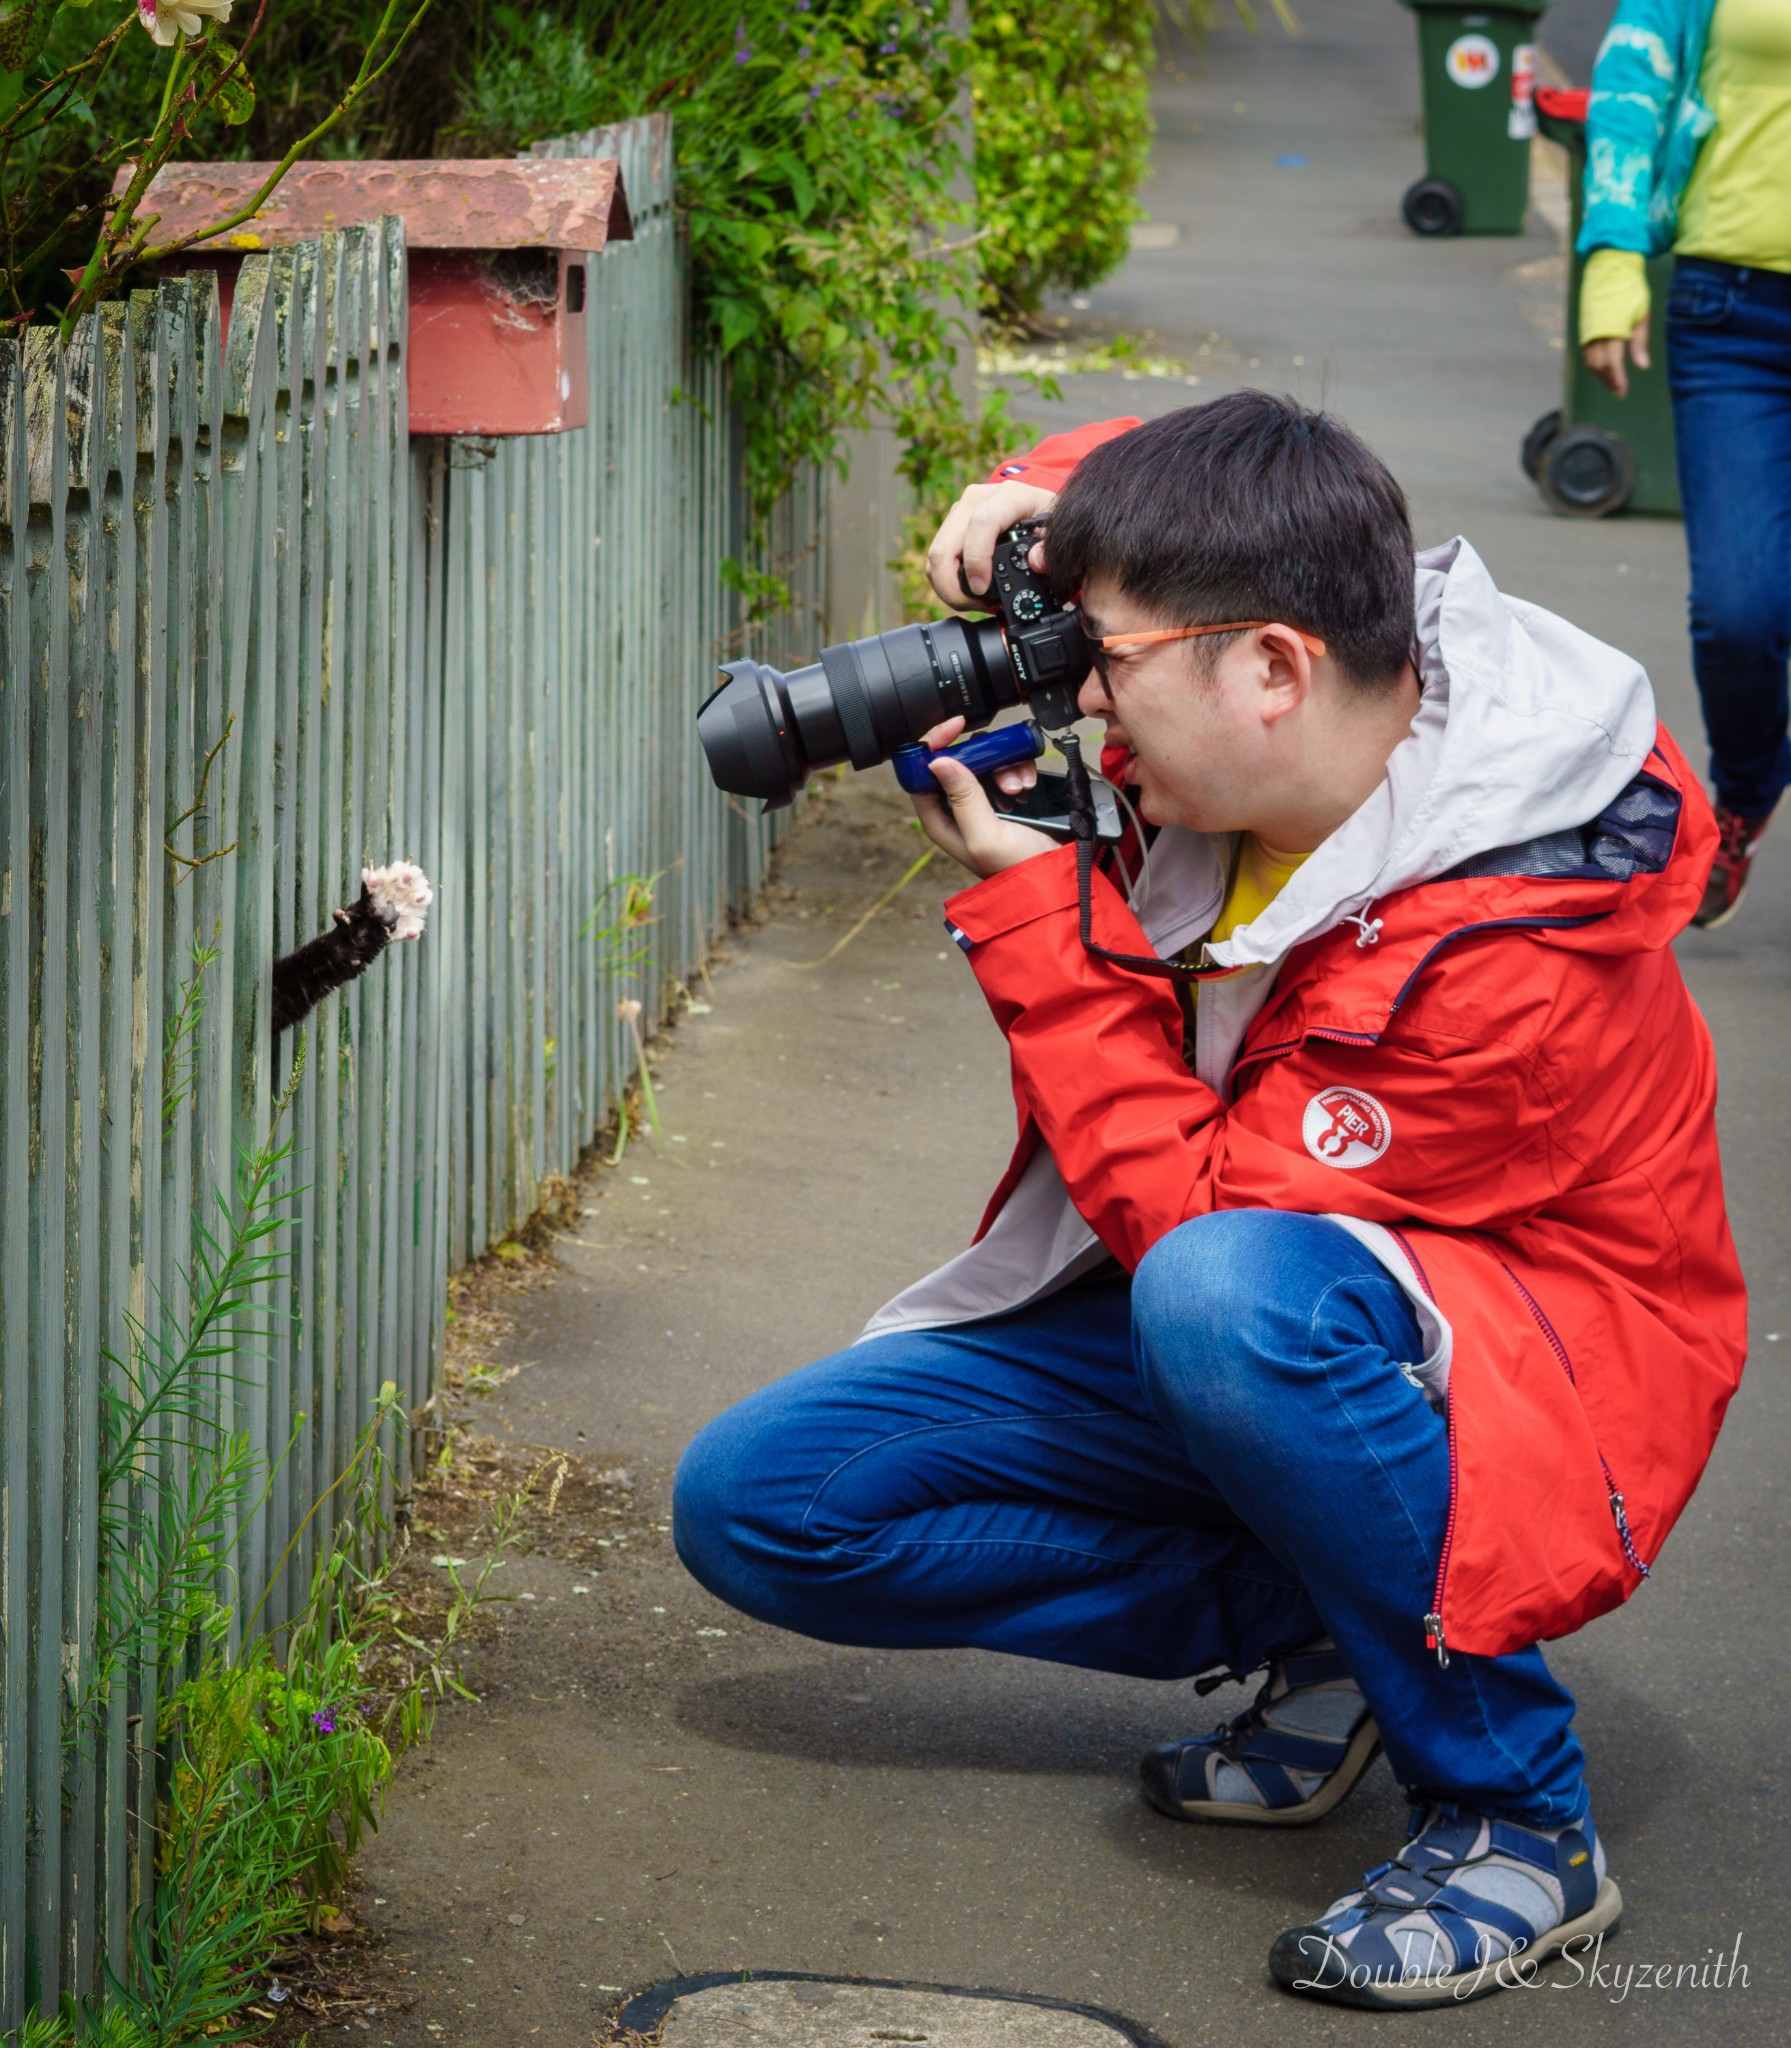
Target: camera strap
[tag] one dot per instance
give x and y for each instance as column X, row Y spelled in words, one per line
column 1082, row 824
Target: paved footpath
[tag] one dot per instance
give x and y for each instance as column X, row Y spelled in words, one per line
column 653, row 1786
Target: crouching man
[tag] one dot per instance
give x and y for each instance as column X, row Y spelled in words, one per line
column 1359, row 1308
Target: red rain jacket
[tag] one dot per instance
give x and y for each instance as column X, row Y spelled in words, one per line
column 1522, row 1059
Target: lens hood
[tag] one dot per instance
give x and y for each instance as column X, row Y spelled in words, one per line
column 748, row 736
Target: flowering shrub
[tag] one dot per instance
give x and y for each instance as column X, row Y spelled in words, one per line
column 820, row 159
column 180, row 17
column 75, row 87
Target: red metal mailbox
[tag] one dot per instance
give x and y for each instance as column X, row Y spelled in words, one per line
column 497, row 253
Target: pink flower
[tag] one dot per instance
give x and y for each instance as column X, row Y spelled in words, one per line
column 167, row 19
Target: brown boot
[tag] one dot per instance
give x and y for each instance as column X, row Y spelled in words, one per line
column 1739, row 836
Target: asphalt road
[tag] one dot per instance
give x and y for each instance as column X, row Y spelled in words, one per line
column 651, row 1785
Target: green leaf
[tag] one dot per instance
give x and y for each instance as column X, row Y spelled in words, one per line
column 737, row 320
column 802, row 186
column 24, row 30
column 235, row 98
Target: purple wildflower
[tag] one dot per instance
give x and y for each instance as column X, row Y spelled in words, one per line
column 324, row 1721
column 890, row 49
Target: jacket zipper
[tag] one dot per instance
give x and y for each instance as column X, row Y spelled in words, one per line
column 1290, row 1045
column 1492, row 924
column 1338, row 1037
column 1433, row 1621
column 1434, row 1639
column 1618, row 1513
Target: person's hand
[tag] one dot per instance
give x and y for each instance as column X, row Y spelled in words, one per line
column 961, row 820
column 968, row 536
column 1605, row 359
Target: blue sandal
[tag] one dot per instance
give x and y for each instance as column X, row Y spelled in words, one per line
column 1286, row 1760
column 1470, row 1905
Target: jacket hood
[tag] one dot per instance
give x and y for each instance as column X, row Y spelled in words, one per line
column 1527, row 727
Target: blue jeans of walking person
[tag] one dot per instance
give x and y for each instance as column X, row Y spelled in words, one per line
column 1213, row 1463
column 1729, row 366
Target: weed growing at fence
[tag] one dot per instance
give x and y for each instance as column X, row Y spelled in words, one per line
column 270, row 1753
column 174, row 1480
column 280, row 1760
column 180, row 1035
column 627, row 906
column 627, row 903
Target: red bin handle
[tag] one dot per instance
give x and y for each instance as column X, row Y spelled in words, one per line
column 1563, row 102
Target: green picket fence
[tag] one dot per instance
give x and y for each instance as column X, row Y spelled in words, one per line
column 482, row 656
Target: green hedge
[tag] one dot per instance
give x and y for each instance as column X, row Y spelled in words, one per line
column 1063, row 135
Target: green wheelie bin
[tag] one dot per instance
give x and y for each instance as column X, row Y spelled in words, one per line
column 1479, row 74
column 1595, row 452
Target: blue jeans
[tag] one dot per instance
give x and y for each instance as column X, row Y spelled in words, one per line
column 1215, row 1462
column 1729, row 365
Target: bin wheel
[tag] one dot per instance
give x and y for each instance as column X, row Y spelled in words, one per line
column 1433, row 207
column 1587, row 472
column 1536, row 443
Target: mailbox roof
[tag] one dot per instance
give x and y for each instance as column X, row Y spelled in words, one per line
column 468, row 203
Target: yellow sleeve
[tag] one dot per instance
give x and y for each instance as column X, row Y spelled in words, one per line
column 1613, row 293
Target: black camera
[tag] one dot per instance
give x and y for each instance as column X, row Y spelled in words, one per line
column 765, row 732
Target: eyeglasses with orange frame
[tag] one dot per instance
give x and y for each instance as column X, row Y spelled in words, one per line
column 1103, row 645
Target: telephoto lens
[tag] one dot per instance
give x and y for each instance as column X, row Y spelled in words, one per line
column 766, row 732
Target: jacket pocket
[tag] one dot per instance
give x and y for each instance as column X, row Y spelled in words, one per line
column 1619, row 1512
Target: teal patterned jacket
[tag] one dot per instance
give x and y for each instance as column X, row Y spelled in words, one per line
column 1645, row 124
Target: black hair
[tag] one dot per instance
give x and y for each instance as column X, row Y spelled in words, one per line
column 1248, row 507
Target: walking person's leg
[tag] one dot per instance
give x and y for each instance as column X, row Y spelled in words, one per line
column 1729, row 364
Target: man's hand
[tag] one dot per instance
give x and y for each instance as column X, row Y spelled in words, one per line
column 968, row 536
column 1604, row 359
column 961, row 820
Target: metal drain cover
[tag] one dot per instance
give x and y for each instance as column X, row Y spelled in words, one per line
column 760, row 2012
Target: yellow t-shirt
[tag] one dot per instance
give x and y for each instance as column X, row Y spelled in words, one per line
column 1737, row 205
column 1258, row 876
column 1259, row 873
